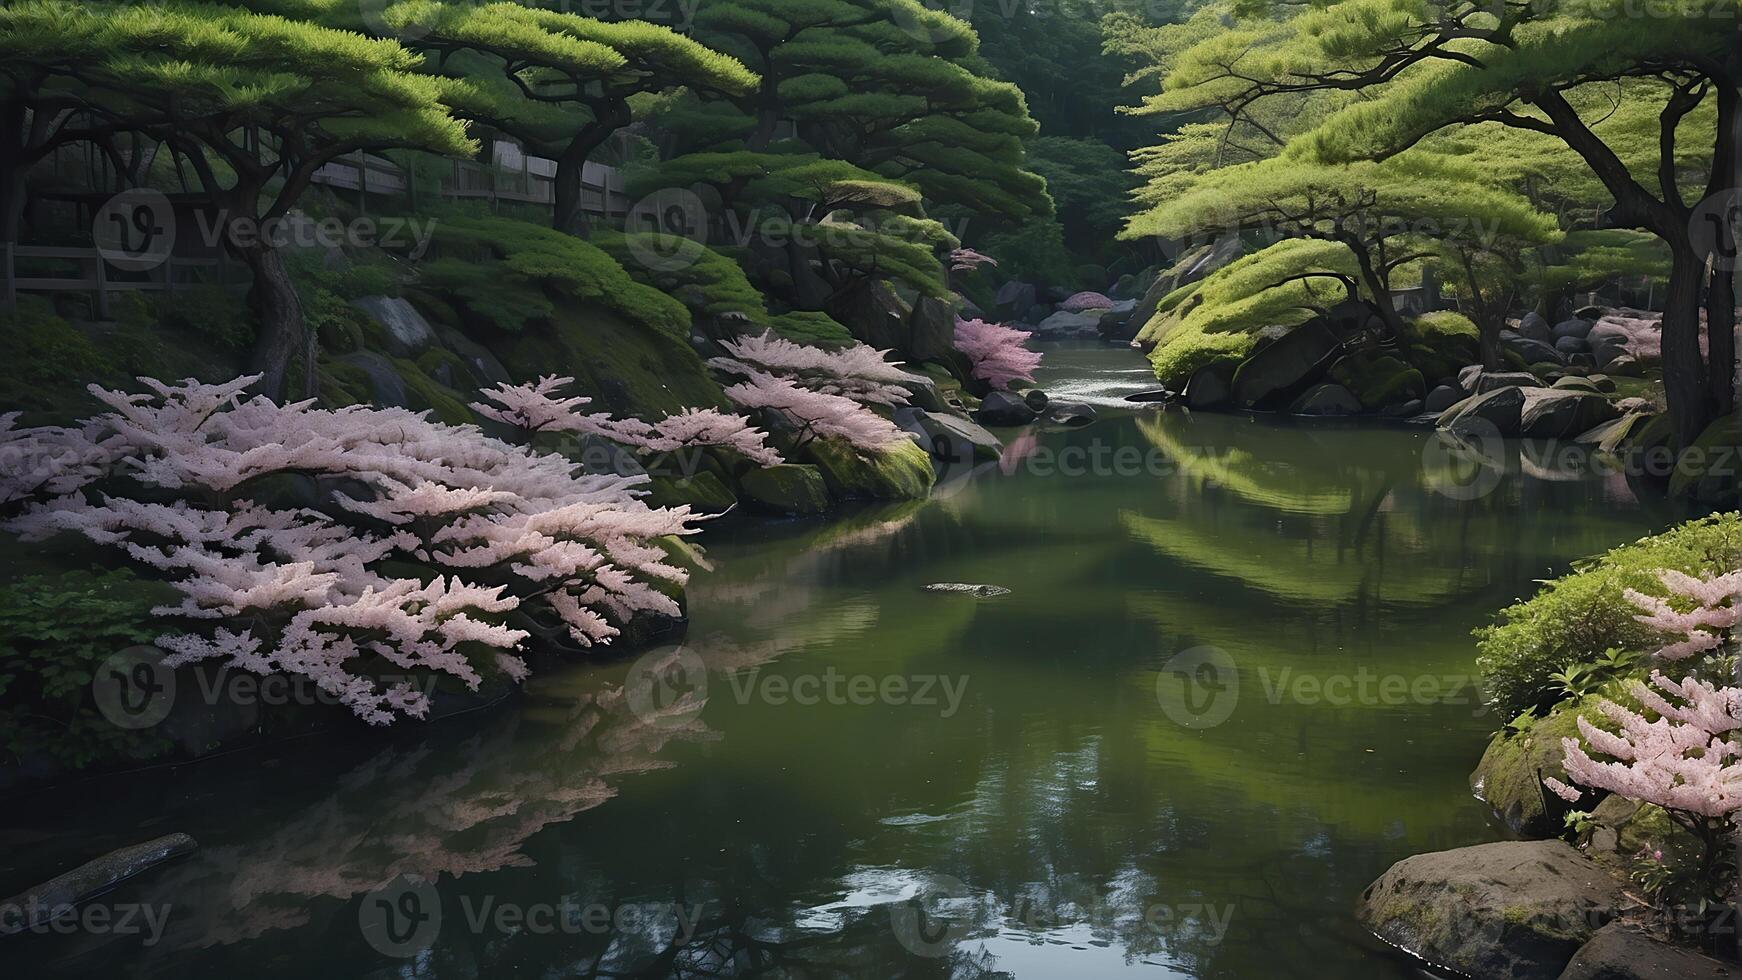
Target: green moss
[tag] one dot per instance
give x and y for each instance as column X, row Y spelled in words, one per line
column 48, row 361
column 1577, row 616
column 1509, row 776
column 701, row 491
column 424, row 392
column 1187, row 350
column 1379, row 381
column 628, row 368
column 903, row 472
column 805, row 327
column 788, row 488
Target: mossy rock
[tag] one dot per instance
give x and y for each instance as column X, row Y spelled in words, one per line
column 627, row 368
column 702, row 491
column 901, row 472
column 424, row 392
column 1509, row 777
column 787, row 488
column 1379, row 381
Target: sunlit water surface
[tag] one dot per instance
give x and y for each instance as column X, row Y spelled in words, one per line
column 1227, row 688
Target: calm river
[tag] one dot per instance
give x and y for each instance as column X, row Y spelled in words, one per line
column 1227, row 687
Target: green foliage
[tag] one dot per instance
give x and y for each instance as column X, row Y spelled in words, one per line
column 45, row 353
column 1576, row 615
column 1379, row 381
column 814, row 328
column 55, row 632
column 1035, row 253
column 508, row 272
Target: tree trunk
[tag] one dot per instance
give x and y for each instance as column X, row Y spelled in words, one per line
column 1684, row 370
column 1381, row 289
column 278, row 312
column 570, row 216
column 13, row 167
column 1721, row 340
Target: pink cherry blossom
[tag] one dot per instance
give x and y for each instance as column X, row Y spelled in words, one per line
column 858, row 372
column 817, row 414
column 996, row 352
column 1084, row 301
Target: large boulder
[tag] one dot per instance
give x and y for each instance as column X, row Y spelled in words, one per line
column 1276, row 375
column 1326, row 399
column 788, row 488
column 1209, row 389
column 902, row 471
column 1497, row 411
column 1065, row 325
column 486, row 370
column 1553, row 414
column 931, row 331
column 1477, row 380
column 386, row 388
column 1576, row 327
column 1070, row 413
column 1532, row 350
column 1442, row 398
column 1513, row 910
column 1004, row 408
column 1509, row 776
column 949, row 438
column 403, row 330
column 1377, row 382
column 873, row 314
column 1621, row 951
column 1533, row 327
column 1571, row 345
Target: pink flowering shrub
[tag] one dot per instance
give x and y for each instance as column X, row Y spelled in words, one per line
column 535, row 408
column 996, row 352
column 1715, row 612
column 816, row 414
column 1084, row 301
column 967, row 260
column 822, row 393
column 514, row 541
column 858, row 372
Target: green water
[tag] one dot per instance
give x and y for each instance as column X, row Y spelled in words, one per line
column 842, row 774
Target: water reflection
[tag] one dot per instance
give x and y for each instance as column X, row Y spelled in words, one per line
column 1060, row 823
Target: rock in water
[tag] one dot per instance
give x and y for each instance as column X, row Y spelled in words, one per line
column 1513, row 910
column 1276, row 375
column 1622, row 952
column 55, row 897
column 1003, row 408
column 978, row 591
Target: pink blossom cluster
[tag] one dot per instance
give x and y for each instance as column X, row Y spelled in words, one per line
column 1685, row 760
column 1716, row 610
column 172, row 479
column 967, row 260
column 1084, row 301
column 816, row 414
column 996, row 352
column 858, row 372
column 538, row 408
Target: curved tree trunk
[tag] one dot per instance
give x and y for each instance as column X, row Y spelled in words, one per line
column 1381, row 289
column 570, row 215
column 1721, row 340
column 278, row 311
column 1684, row 369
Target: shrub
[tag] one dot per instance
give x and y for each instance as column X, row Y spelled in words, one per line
column 1574, row 618
column 55, row 632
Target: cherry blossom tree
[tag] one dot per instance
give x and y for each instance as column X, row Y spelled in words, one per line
column 996, row 352
column 1708, row 626
column 857, row 372
column 816, row 414
column 514, row 542
column 1686, row 760
column 535, row 408
column 968, row 260
column 1085, row 301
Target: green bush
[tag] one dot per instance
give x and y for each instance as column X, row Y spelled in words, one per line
column 55, row 632
column 1575, row 618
